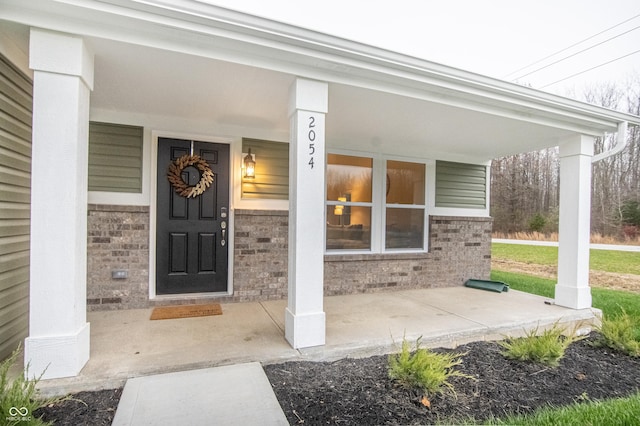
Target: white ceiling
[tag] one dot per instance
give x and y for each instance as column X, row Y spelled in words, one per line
column 142, row 80
column 229, row 74
column 155, row 82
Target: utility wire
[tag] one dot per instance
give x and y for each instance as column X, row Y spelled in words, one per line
column 577, row 53
column 590, row 69
column 567, row 48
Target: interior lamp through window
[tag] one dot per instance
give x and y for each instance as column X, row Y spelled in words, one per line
column 339, row 208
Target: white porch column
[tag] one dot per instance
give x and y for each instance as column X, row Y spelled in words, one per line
column 58, row 330
column 572, row 289
column 304, row 316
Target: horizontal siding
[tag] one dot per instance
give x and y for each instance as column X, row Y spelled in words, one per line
column 272, row 170
column 115, row 158
column 16, row 98
column 460, row 185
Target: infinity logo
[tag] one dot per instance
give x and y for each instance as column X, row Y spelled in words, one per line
column 22, row 412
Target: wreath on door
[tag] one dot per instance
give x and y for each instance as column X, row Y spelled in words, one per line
column 181, row 187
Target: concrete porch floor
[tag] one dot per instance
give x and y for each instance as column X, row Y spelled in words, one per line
column 127, row 344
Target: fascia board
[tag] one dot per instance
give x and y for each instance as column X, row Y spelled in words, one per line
column 193, row 27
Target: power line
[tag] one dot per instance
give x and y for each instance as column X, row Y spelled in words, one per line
column 577, row 53
column 567, row 48
column 590, row 69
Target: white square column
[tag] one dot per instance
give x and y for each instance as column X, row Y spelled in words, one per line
column 304, row 316
column 58, row 339
column 572, row 289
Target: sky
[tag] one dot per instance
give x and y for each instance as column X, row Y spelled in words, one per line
column 490, row 37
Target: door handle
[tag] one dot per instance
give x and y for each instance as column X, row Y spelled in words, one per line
column 223, row 225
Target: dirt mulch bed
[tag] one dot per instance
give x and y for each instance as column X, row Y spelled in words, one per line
column 359, row 392
column 83, row 409
column 610, row 280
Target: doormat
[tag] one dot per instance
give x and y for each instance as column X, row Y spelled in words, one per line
column 186, row 311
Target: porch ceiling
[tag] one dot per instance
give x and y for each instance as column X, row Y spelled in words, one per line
column 232, row 98
column 229, row 73
column 192, row 61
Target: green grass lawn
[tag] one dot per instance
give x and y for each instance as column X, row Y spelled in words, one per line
column 620, row 411
column 611, row 302
column 620, row 262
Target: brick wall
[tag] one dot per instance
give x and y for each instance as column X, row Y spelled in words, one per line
column 260, row 254
column 460, row 248
column 118, row 239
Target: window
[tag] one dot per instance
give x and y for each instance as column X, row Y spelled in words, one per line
column 375, row 205
column 349, row 202
column 405, row 205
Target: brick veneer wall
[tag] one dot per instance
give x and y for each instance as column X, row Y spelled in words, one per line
column 260, row 254
column 460, row 248
column 118, row 238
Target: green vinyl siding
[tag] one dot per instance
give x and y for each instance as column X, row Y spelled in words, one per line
column 115, row 158
column 16, row 99
column 460, row 185
column 272, row 170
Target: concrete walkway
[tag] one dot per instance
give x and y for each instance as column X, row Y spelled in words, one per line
column 126, row 344
column 231, row 395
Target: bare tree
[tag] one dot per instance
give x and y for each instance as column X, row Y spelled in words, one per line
column 525, row 186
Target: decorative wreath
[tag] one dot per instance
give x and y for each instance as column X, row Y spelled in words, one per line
column 175, row 175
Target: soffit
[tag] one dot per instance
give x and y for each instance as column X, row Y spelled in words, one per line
column 140, row 80
column 195, row 65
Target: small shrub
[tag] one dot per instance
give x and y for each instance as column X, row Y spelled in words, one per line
column 423, row 369
column 18, row 397
column 537, row 223
column 548, row 348
column 630, row 212
column 620, row 333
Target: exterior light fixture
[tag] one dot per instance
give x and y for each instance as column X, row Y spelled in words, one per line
column 249, row 161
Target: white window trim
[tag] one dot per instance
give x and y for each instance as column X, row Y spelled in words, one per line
column 245, row 203
column 451, row 211
column 129, row 198
column 378, row 202
column 428, row 164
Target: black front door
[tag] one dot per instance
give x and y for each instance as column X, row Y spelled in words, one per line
column 192, row 231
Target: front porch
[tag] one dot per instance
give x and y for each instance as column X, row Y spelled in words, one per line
column 127, row 344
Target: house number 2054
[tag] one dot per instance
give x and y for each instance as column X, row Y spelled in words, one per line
column 311, row 135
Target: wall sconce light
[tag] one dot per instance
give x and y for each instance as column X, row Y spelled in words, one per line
column 249, row 162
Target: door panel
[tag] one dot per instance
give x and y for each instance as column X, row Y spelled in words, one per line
column 191, row 254
column 207, row 251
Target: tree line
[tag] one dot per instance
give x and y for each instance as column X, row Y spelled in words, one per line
column 525, row 187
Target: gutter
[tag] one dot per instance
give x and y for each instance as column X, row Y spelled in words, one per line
column 621, row 143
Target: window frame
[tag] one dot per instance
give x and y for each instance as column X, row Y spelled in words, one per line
column 379, row 204
column 369, row 204
column 422, row 207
